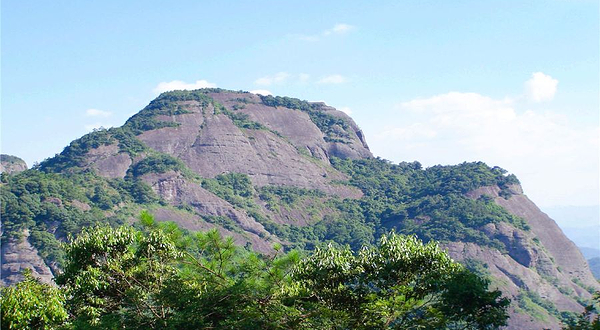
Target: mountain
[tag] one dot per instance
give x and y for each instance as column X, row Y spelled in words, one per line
column 595, row 266
column 267, row 170
column 589, row 253
column 11, row 164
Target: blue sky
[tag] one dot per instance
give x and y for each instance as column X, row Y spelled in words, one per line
column 511, row 83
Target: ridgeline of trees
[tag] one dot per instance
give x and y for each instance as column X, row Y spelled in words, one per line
column 160, row 277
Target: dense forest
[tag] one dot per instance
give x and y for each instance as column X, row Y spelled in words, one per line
column 398, row 197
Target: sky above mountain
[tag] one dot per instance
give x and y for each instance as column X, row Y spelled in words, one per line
column 511, row 83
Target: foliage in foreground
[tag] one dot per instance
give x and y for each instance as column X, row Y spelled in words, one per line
column 589, row 319
column 32, row 305
column 162, row 278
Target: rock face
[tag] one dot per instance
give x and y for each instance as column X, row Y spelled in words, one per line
column 18, row 255
column 284, row 153
column 175, row 189
column 11, row 164
column 542, row 260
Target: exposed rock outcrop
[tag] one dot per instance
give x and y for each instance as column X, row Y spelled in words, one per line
column 17, row 255
column 11, row 164
column 540, row 260
column 175, row 189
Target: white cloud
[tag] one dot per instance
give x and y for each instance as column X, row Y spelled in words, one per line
column 332, row 79
column 261, row 92
column 303, row 77
column 540, row 87
column 338, row 29
column 279, row 77
column 556, row 161
column 97, row 113
column 180, row 85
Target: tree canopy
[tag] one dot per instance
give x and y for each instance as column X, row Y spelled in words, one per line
column 161, row 277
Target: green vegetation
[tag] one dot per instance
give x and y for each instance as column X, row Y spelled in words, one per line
column 161, row 277
column 72, row 158
column 287, row 196
column 236, row 188
column 588, row 320
column 239, row 119
column 32, row 305
column 429, row 203
column 157, row 163
column 49, row 205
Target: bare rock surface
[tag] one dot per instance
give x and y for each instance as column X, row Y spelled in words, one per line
column 108, row 161
column 18, row 255
column 11, row 164
column 541, row 260
column 297, row 126
column 291, row 151
column 175, row 189
column 565, row 253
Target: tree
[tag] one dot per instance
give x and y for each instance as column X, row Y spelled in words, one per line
column 161, row 277
column 113, row 276
column 400, row 284
column 31, row 304
column 590, row 318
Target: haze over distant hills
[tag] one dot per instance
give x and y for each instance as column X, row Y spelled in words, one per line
column 580, row 223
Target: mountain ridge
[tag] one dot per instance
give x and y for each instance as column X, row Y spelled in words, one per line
column 267, row 170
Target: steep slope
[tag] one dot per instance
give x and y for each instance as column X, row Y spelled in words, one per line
column 270, row 170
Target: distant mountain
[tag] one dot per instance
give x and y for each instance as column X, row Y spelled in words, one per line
column 580, row 223
column 590, row 253
column 266, row 170
column 595, row 266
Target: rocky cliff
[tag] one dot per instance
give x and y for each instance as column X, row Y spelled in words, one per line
column 270, row 170
column 11, row 164
column 543, row 261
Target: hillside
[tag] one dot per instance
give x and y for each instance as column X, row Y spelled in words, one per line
column 266, row 170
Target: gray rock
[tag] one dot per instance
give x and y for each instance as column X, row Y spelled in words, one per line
column 11, row 164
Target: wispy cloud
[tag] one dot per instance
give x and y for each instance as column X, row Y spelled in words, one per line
column 536, row 145
column 261, row 92
column 97, row 113
column 303, row 77
column 540, row 87
column 180, row 85
column 279, row 77
column 332, row 79
column 338, row 29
